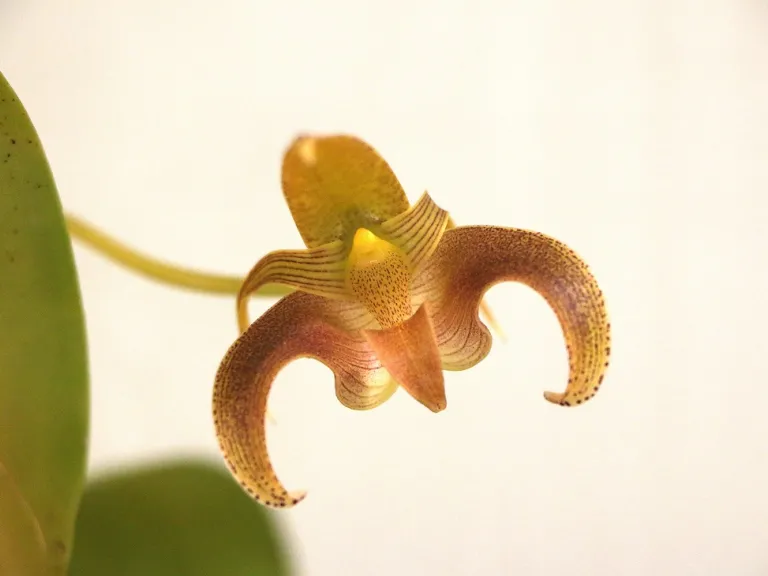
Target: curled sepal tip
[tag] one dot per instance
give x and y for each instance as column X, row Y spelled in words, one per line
column 299, row 325
column 471, row 259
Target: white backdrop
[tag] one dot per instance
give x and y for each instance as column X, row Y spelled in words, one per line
column 635, row 131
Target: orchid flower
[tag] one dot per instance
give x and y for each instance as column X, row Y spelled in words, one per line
column 387, row 295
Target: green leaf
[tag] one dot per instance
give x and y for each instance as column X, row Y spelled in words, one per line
column 180, row 518
column 22, row 548
column 43, row 362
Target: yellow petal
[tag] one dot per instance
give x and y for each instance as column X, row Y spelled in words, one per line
column 320, row 271
column 409, row 352
column 471, row 259
column 417, row 231
column 299, row 325
column 336, row 184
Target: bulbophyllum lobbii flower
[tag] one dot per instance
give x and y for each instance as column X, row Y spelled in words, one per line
column 388, row 295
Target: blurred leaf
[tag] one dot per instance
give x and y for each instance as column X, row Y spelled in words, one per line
column 182, row 518
column 43, row 362
column 22, row 549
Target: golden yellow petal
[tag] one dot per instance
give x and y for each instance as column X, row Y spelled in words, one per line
column 320, row 271
column 336, row 184
column 299, row 325
column 417, row 231
column 409, row 352
column 471, row 259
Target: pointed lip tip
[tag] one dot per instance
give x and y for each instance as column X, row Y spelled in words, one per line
column 438, row 406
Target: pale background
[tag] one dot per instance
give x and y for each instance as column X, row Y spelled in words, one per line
column 635, row 131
